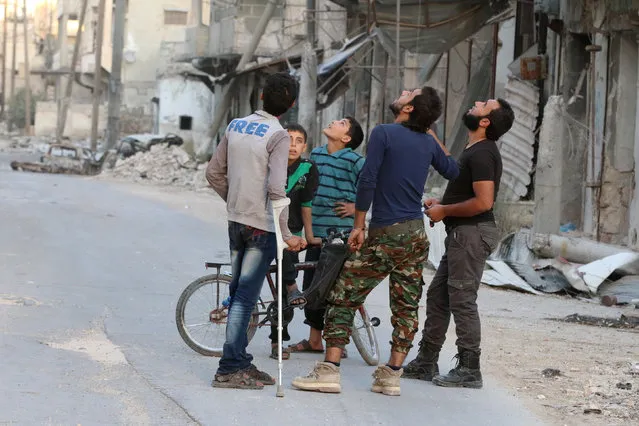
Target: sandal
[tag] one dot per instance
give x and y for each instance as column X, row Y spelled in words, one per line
column 305, row 347
column 238, row 380
column 286, row 354
column 260, row 376
column 296, row 296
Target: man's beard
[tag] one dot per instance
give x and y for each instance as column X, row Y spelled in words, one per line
column 471, row 121
column 395, row 108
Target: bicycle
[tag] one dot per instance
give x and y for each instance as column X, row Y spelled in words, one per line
column 218, row 295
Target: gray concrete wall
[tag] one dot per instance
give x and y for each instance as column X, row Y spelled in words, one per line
column 78, row 124
column 616, row 190
column 549, row 169
column 181, row 96
column 575, row 136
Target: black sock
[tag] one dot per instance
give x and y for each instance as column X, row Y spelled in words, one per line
column 393, row 368
column 336, row 364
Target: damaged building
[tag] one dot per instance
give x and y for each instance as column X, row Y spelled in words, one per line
column 351, row 57
column 154, row 35
column 588, row 137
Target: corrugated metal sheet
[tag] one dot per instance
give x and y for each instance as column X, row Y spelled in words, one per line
column 517, row 146
column 622, row 6
column 550, row 7
column 431, row 26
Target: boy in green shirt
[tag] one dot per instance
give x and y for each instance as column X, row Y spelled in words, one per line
column 303, row 178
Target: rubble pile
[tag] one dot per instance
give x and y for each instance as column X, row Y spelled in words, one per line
column 25, row 144
column 556, row 264
column 169, row 165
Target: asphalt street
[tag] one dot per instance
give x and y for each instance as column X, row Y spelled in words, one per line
column 89, row 278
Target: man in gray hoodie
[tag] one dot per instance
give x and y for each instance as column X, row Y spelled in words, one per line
column 248, row 171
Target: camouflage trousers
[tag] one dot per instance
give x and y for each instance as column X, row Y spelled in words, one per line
column 399, row 251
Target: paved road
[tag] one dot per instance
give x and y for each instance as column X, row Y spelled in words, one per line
column 89, row 278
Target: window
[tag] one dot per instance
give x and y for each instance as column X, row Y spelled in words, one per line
column 186, row 122
column 61, row 151
column 175, row 17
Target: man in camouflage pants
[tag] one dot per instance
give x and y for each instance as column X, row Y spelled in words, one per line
column 398, row 158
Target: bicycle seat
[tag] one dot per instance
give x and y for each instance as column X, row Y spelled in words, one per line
column 216, row 265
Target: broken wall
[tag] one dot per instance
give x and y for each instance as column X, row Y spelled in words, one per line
column 233, row 25
column 78, row 124
column 135, row 120
column 618, row 173
column 186, row 109
column 138, row 94
column 147, row 30
column 575, row 134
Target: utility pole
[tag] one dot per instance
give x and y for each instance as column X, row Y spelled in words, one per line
column 115, row 82
column 27, row 82
column 64, row 107
column 307, row 99
column 97, row 78
column 4, row 60
column 222, row 106
column 13, row 56
column 50, row 10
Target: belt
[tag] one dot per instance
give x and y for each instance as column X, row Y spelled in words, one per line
column 398, row 228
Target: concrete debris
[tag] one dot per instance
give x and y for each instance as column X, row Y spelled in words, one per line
column 25, row 144
column 551, row 372
column 576, row 250
column 540, row 263
column 164, row 164
column 624, row 321
column 620, row 292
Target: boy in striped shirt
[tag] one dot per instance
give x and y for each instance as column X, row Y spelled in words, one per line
column 333, row 206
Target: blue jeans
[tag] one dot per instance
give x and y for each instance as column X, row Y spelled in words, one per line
column 252, row 251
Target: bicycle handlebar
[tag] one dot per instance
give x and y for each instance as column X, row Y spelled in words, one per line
column 334, row 235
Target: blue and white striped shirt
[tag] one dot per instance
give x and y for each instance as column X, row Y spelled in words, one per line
column 338, row 177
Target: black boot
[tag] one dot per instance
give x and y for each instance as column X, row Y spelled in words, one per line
column 465, row 375
column 424, row 366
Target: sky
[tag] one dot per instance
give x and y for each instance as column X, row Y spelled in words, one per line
column 31, row 5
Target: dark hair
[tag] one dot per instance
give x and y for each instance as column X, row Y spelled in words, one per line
column 501, row 120
column 355, row 132
column 280, row 92
column 427, row 107
column 294, row 127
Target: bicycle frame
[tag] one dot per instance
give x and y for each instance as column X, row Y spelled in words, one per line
column 302, row 266
column 271, row 277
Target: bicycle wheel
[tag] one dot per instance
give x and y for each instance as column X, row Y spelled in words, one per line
column 201, row 319
column 364, row 337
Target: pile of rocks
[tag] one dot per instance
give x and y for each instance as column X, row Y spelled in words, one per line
column 24, row 144
column 169, row 165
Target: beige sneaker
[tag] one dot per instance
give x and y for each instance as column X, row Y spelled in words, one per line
column 325, row 377
column 387, row 380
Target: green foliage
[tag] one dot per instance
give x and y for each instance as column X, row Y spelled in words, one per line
column 16, row 114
